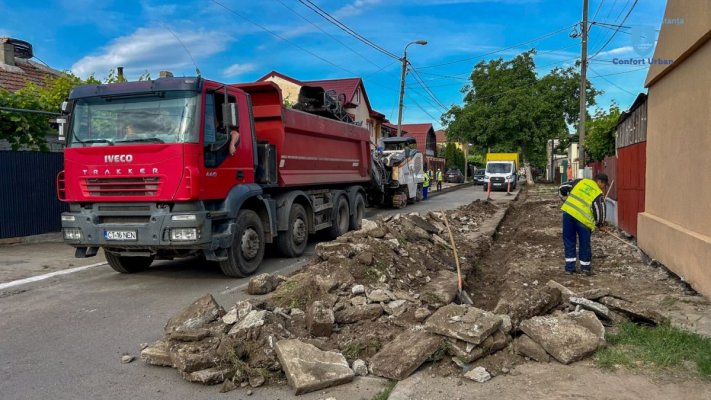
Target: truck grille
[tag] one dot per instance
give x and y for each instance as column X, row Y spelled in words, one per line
column 497, row 179
column 115, row 186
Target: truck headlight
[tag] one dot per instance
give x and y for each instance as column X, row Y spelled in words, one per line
column 183, row 217
column 68, row 218
column 72, row 234
column 183, row 234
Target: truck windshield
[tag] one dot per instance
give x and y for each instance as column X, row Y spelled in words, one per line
column 166, row 117
column 498, row 168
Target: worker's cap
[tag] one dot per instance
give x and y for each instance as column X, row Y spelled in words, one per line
column 602, row 178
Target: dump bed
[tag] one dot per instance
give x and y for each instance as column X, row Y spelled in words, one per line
column 310, row 150
column 503, row 157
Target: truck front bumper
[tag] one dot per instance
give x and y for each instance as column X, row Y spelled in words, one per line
column 139, row 227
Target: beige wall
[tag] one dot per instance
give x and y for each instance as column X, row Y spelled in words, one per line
column 676, row 225
column 289, row 90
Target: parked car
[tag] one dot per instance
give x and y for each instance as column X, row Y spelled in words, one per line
column 479, row 177
column 454, row 175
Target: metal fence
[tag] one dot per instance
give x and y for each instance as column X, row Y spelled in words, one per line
column 28, row 196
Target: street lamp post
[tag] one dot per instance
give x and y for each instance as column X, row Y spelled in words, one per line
column 402, row 83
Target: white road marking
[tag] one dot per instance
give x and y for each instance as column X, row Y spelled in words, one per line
column 47, row 276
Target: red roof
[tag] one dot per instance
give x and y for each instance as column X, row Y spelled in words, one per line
column 419, row 132
column 24, row 72
column 441, row 136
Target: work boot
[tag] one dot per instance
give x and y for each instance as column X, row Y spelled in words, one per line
column 587, row 272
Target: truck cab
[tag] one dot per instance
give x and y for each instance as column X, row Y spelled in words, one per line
column 501, row 175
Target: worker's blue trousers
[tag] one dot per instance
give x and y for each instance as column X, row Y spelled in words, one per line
column 425, row 190
column 572, row 230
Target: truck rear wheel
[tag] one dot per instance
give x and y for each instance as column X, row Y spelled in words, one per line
column 128, row 265
column 292, row 242
column 341, row 218
column 247, row 250
column 356, row 220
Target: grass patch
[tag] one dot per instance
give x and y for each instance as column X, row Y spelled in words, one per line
column 662, row 347
column 354, row 349
column 295, row 293
column 385, row 393
column 440, row 352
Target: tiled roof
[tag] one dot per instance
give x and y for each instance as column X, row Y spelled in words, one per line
column 419, row 132
column 24, row 71
column 441, row 136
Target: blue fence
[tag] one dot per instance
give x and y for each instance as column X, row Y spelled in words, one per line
column 28, row 195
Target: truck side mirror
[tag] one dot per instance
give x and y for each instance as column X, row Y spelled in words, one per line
column 62, row 128
column 230, row 116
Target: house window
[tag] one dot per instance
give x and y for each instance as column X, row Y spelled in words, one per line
column 356, row 97
column 370, row 126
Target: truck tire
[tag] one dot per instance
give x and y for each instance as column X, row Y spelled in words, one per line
column 128, row 265
column 340, row 219
column 247, row 250
column 356, row 220
column 292, row 242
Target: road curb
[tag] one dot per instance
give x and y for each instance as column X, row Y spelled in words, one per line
column 445, row 190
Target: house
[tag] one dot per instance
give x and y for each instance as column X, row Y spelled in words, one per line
column 675, row 227
column 31, row 207
column 426, row 143
column 349, row 91
column 16, row 67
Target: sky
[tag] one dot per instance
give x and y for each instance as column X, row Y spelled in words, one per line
column 242, row 40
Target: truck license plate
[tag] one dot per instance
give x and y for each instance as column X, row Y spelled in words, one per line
column 120, row 235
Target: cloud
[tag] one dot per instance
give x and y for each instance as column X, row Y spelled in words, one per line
column 355, row 8
column 238, row 69
column 152, row 49
column 616, row 51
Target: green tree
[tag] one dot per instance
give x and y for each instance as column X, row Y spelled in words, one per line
column 454, row 157
column 28, row 130
column 508, row 108
column 600, row 132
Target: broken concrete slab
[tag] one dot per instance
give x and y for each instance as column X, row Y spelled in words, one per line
column 525, row 346
column 594, row 294
column 237, row 312
column 635, row 312
column 441, row 289
column 264, row 283
column 209, row 376
column 251, row 322
column 308, row 369
column 157, row 354
column 478, row 374
column 396, row 307
column 589, row 321
column 326, row 250
column 422, row 313
column 590, row 305
column 197, row 315
column 380, row 296
column 468, row 352
column 359, row 368
column 529, row 303
column 463, row 322
column 564, row 291
column 350, row 315
column 194, row 356
column 320, row 319
column 366, row 258
column 403, row 355
column 562, row 338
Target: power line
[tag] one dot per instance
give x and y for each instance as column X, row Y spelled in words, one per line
column 278, row 36
column 609, row 12
column 329, row 35
column 500, row 50
column 599, row 6
column 419, row 80
column 616, row 30
column 611, row 83
column 330, row 18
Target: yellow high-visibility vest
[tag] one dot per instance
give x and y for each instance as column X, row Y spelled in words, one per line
column 426, row 183
column 440, row 176
column 580, row 200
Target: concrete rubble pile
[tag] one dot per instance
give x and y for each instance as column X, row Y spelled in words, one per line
column 379, row 301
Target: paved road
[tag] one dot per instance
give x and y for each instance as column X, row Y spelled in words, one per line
column 62, row 338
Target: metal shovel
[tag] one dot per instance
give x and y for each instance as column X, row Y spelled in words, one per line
column 462, row 296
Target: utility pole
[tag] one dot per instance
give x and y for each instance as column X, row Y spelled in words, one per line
column 583, row 84
column 402, row 83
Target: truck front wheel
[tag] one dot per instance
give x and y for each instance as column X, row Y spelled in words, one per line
column 292, row 242
column 128, row 265
column 247, row 250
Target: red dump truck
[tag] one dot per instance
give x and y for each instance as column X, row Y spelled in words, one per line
column 150, row 173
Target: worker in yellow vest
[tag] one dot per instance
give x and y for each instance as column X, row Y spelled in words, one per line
column 583, row 211
column 426, row 186
column 440, row 179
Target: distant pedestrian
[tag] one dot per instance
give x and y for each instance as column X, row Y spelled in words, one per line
column 440, row 179
column 583, row 211
column 426, row 186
